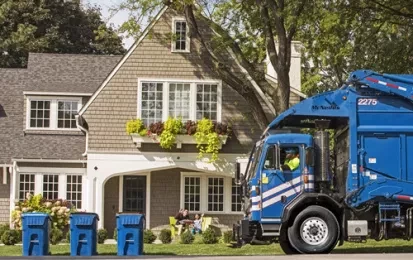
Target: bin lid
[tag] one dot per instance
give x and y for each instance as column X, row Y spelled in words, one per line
column 35, row 219
column 83, row 218
column 130, row 218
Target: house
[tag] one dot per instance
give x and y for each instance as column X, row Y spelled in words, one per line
column 89, row 158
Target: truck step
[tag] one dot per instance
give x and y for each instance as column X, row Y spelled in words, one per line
column 270, row 234
column 385, row 208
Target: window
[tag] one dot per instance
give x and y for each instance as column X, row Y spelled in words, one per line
column 40, row 114
column 206, row 101
column 188, row 100
column 192, row 194
column 236, row 202
column 270, row 158
column 215, row 194
column 180, row 42
column 74, row 190
column 26, row 185
column 52, row 113
column 66, row 114
column 51, row 186
column 179, row 100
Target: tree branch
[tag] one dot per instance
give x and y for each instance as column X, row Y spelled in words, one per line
column 296, row 15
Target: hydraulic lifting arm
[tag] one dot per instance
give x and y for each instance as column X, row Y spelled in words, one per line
column 401, row 85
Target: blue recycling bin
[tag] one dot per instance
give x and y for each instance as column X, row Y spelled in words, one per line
column 36, row 230
column 130, row 233
column 83, row 234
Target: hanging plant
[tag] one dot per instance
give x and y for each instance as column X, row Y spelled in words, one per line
column 207, row 139
column 136, row 126
column 172, row 127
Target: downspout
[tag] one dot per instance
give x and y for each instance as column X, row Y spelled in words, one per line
column 84, row 130
column 13, row 198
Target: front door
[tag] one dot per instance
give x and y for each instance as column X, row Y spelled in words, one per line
column 134, row 194
column 278, row 187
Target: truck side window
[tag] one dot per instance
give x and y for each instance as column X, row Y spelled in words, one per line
column 290, row 158
column 270, row 160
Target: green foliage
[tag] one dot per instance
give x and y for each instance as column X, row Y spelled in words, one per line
column 187, row 237
column 172, row 127
column 58, row 210
column 56, row 235
column 3, row 228
column 148, row 236
column 10, row 237
column 102, row 235
column 52, row 27
column 68, row 236
column 227, row 237
column 136, row 126
column 165, row 236
column 205, row 134
column 209, row 237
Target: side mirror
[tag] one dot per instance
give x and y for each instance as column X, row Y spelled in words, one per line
column 309, row 156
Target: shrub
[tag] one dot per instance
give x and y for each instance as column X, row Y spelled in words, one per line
column 187, row 237
column 3, row 228
column 227, row 237
column 68, row 236
column 56, row 235
column 209, row 237
column 102, row 235
column 58, row 210
column 165, row 236
column 115, row 234
column 148, row 236
column 10, row 237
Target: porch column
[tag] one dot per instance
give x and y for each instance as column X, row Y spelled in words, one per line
column 99, row 201
column 90, row 194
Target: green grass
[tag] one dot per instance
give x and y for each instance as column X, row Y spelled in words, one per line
column 390, row 246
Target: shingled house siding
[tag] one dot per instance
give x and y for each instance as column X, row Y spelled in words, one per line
column 117, row 102
column 4, row 198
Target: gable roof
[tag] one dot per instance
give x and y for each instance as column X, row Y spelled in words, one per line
column 123, row 60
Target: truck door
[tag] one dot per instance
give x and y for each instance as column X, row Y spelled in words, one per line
column 278, row 186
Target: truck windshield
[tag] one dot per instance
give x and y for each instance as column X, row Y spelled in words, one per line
column 253, row 161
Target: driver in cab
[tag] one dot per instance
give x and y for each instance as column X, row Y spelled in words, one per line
column 292, row 160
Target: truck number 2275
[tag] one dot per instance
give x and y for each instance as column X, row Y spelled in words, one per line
column 367, row 102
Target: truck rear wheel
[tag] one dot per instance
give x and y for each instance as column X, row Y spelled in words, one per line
column 314, row 231
column 287, row 248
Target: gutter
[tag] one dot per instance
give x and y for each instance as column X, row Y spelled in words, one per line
column 79, row 126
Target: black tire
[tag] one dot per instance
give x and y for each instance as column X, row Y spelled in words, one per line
column 317, row 221
column 287, row 247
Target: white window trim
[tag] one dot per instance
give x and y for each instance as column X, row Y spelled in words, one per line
column 62, row 178
column 53, row 111
column 204, row 192
column 188, row 38
column 165, row 93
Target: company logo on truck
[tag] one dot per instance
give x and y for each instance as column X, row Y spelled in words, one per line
column 331, row 107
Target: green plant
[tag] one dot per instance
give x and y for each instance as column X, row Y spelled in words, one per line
column 58, row 210
column 148, row 236
column 187, row 237
column 56, row 235
column 207, row 139
column 172, row 127
column 102, row 235
column 3, row 228
column 10, row 237
column 115, row 234
column 136, row 126
column 68, row 236
column 209, row 237
column 227, row 237
column 165, row 236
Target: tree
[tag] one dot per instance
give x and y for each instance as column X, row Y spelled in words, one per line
column 55, row 26
column 349, row 35
column 245, row 31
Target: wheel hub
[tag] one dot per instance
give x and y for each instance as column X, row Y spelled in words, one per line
column 314, row 231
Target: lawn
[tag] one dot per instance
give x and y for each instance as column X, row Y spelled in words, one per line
column 390, row 246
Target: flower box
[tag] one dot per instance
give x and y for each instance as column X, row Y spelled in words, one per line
column 179, row 140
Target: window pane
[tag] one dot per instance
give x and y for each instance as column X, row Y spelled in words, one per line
column 179, row 101
column 192, row 195
column 66, row 113
column 151, row 103
column 26, row 185
column 180, row 35
column 215, row 194
column 207, row 101
column 236, row 203
column 50, row 186
column 74, row 194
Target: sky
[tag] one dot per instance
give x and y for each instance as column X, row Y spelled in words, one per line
column 117, row 20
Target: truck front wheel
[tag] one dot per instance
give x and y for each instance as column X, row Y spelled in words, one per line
column 314, row 231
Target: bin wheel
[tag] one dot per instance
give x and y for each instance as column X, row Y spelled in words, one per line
column 314, row 231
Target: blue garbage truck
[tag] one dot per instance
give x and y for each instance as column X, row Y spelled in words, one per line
column 353, row 176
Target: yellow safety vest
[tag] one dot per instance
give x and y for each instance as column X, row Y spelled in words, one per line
column 293, row 163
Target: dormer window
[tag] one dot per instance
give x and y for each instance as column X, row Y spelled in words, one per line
column 180, row 39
